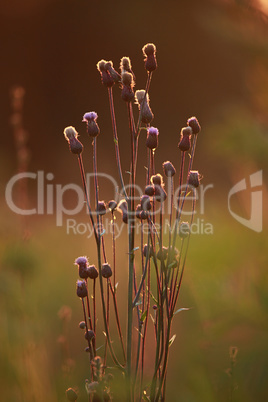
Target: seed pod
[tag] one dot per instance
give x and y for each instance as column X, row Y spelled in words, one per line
column 169, row 169
column 92, row 272
column 81, row 289
column 194, row 124
column 193, row 178
column 152, row 138
column 106, row 271
column 184, row 230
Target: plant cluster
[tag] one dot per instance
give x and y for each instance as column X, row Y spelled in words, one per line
column 155, row 259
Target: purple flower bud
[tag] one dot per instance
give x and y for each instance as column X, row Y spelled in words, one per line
column 106, row 271
column 152, row 138
column 194, row 178
column 90, row 118
column 149, row 52
column 81, row 289
column 194, row 124
column 169, row 169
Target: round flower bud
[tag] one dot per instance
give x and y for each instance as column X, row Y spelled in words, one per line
column 90, row 118
column 101, row 208
column 112, row 205
column 106, row 271
column 71, row 395
column 106, row 78
column 186, row 131
column 92, row 272
column 145, row 203
column 184, row 230
column 162, row 253
column 169, row 169
column 82, row 324
column 152, row 138
column 193, row 178
column 89, row 335
column 75, row 146
column 145, row 250
column 149, row 190
column 194, row 124
column 138, row 211
column 149, row 52
column 81, row 289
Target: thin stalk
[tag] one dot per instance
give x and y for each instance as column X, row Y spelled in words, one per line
column 117, row 153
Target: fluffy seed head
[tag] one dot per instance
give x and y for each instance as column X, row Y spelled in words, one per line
column 186, row 131
column 157, row 179
column 70, row 132
column 101, row 65
column 139, row 96
column 149, row 49
column 81, row 261
column 125, row 65
column 127, row 79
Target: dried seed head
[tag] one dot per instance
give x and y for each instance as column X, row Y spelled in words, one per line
column 145, row 203
column 139, row 96
column 152, row 138
column 149, row 52
column 112, row 205
column 184, row 230
column 92, row 272
column 71, row 395
column 82, row 324
column 127, row 93
column 101, row 208
column 149, row 190
column 145, row 250
column 106, row 78
column 106, row 271
column 194, row 124
column 194, row 178
column 81, row 289
column 125, row 66
column 169, row 169
column 114, row 74
column 157, row 179
column 185, row 143
column 162, row 253
column 90, row 118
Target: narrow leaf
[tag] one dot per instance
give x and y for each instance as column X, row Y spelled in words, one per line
column 172, row 339
column 182, row 309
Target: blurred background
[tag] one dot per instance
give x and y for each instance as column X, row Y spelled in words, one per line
column 212, row 63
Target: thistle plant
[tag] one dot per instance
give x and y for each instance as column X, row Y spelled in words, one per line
column 156, row 257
